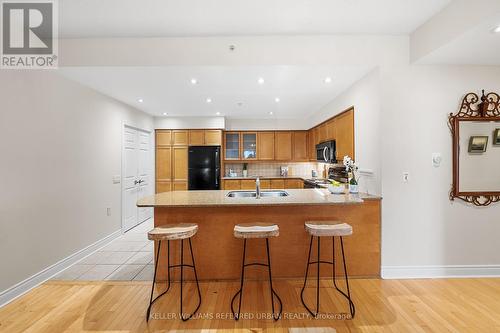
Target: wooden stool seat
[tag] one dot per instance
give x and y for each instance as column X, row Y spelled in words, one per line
column 328, row 228
column 256, row 230
column 173, row 231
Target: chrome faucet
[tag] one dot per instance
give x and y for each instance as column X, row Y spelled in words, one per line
column 257, row 188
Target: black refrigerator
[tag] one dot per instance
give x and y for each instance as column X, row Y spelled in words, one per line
column 204, row 168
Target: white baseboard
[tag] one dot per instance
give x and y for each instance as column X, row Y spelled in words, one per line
column 23, row 287
column 437, row 272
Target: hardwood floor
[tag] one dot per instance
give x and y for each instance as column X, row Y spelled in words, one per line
column 452, row 305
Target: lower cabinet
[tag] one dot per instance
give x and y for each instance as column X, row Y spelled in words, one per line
column 163, row 186
column 265, row 184
column 179, row 186
column 247, row 184
column 277, row 183
column 294, row 183
column 232, row 184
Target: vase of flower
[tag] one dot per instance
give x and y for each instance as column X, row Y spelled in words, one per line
column 351, row 169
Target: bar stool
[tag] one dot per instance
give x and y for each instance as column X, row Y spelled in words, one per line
column 332, row 229
column 169, row 233
column 256, row 230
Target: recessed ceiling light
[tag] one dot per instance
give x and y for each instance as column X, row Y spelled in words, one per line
column 271, row 113
column 217, row 113
column 497, row 29
column 140, row 100
column 194, row 81
column 328, row 79
column 209, row 100
column 261, row 80
column 164, row 113
column 277, row 99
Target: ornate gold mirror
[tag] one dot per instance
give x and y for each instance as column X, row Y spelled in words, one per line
column 475, row 129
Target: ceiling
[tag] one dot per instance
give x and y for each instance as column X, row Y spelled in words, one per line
column 234, row 90
column 155, row 18
column 479, row 45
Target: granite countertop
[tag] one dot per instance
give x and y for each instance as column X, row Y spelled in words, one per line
column 219, row 198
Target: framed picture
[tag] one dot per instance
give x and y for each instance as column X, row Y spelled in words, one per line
column 496, row 137
column 478, row 144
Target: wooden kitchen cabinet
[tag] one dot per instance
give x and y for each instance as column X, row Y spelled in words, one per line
column 180, row 138
column 180, row 163
column 232, row 184
column 322, row 135
column 163, row 186
column 196, row 137
column 213, row 137
column 163, row 138
column 299, row 146
column 265, row 146
column 331, row 130
column 249, row 145
column 179, row 186
column 345, row 135
column 265, row 184
column 277, row 183
column 247, row 184
column 283, row 146
column 311, row 142
column 294, row 183
column 232, row 145
column 163, row 163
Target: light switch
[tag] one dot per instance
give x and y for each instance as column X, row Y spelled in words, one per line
column 117, row 179
column 406, row 177
column 436, row 160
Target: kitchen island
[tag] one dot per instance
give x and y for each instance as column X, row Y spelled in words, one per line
column 218, row 254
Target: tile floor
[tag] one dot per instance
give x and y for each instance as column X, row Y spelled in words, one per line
column 127, row 258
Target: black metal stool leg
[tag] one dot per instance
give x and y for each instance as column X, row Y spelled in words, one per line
column 195, row 276
column 240, row 292
column 273, row 292
column 151, row 300
column 305, row 279
column 317, row 276
column 352, row 308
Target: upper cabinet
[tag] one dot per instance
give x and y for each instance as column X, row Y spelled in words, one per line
column 283, row 146
column 300, row 146
column 344, row 125
column 180, row 137
column 232, row 145
column 213, row 137
column 163, row 138
column 196, row 137
column 265, row 146
column 249, row 146
column 205, row 137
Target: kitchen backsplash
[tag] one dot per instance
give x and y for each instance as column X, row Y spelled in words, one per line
column 273, row 169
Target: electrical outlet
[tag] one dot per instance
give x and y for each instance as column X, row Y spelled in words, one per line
column 406, row 177
column 108, row 211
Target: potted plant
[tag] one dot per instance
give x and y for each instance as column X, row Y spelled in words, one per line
column 351, row 169
column 245, row 170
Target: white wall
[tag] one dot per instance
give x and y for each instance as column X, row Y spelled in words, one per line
column 189, row 122
column 420, row 226
column 60, row 146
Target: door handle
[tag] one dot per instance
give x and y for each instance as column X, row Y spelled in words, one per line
column 136, row 182
column 141, row 181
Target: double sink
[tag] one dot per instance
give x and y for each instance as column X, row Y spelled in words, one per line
column 253, row 194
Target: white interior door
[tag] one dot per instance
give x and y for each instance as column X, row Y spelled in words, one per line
column 136, row 176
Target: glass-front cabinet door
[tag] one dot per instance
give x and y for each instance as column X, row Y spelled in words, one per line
column 249, row 146
column 232, row 146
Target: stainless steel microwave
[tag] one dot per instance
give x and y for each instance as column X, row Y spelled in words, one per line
column 326, row 152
